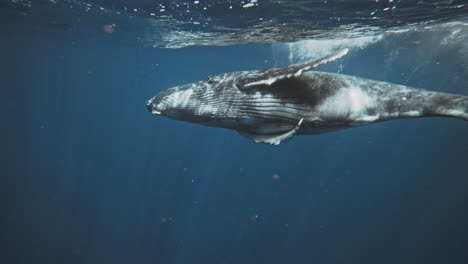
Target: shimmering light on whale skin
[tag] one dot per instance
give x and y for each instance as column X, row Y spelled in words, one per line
column 366, row 119
column 411, row 113
column 206, row 110
column 455, row 112
column 358, row 99
column 180, row 98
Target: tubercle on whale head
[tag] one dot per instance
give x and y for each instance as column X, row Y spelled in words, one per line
column 162, row 102
column 177, row 102
column 152, row 108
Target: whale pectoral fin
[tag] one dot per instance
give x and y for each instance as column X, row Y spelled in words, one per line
column 273, row 139
column 272, row 75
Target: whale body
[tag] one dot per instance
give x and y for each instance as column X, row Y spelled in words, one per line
column 272, row 105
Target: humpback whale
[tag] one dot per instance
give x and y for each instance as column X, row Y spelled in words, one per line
column 272, row 105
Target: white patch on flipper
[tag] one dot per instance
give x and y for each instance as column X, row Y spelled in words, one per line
column 308, row 49
column 305, row 67
column 266, row 81
column 273, row 139
column 340, row 54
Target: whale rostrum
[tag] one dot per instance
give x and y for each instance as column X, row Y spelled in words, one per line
column 272, row 105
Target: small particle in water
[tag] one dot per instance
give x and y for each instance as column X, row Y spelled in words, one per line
column 196, row 2
column 248, row 5
column 109, row 29
column 404, row 98
column 185, row 169
column 163, row 220
column 254, row 218
column 275, row 176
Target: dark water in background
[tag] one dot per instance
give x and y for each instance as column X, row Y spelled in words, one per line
column 89, row 176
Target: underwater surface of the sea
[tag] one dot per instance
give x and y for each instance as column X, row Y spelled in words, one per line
column 90, row 176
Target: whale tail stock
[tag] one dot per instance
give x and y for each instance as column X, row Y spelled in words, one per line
column 422, row 103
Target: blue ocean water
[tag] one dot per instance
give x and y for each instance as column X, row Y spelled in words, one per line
column 90, row 176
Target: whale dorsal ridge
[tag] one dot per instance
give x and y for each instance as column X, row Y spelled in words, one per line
column 272, row 75
column 273, row 139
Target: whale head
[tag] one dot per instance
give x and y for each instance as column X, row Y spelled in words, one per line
column 205, row 101
column 175, row 102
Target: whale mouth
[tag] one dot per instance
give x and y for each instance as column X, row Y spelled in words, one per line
column 151, row 110
column 150, row 107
